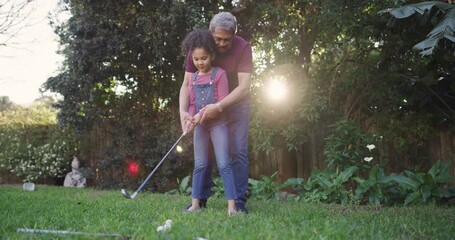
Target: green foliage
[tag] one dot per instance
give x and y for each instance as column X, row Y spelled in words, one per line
column 425, row 187
column 440, row 14
column 32, row 145
column 348, row 146
column 184, row 187
column 377, row 188
column 329, row 186
column 297, row 188
column 218, row 187
column 122, row 58
column 296, row 184
column 349, row 186
column 264, row 188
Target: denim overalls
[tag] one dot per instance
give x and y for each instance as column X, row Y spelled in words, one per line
column 215, row 131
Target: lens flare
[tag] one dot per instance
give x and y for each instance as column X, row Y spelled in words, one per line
column 276, row 90
column 133, row 168
column 179, row 149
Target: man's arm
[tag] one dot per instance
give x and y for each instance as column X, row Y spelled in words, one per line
column 243, row 89
column 184, row 101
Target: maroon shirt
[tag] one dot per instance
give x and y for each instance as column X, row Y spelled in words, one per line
column 239, row 58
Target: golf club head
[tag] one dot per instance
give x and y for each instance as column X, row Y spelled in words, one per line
column 127, row 195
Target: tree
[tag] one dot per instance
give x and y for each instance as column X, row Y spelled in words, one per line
column 13, row 16
column 359, row 68
column 340, row 60
column 439, row 14
column 122, row 74
column 5, row 103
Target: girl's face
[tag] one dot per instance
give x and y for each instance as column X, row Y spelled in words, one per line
column 202, row 60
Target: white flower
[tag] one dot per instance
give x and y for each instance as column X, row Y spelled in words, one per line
column 371, row 147
column 368, row 159
column 160, row 229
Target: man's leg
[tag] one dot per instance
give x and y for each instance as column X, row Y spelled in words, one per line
column 239, row 120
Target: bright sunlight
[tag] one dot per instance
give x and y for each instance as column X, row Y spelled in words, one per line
column 276, row 89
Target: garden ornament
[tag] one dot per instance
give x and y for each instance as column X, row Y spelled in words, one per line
column 74, row 178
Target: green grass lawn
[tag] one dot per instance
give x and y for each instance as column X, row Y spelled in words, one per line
column 94, row 211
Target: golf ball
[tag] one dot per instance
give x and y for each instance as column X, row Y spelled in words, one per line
column 168, row 222
column 166, row 227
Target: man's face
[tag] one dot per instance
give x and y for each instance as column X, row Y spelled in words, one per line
column 223, row 39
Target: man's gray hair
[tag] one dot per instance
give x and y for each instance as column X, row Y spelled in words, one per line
column 224, row 20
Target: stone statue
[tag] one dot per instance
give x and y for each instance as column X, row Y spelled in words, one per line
column 74, row 178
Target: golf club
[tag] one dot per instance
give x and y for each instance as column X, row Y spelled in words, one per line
column 64, row 232
column 131, row 196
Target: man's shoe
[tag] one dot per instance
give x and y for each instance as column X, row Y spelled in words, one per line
column 202, row 204
column 240, row 207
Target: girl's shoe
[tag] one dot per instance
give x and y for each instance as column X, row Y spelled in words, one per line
column 191, row 209
column 202, row 203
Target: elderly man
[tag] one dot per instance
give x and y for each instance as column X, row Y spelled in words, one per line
column 234, row 55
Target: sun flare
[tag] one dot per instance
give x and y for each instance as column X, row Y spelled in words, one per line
column 276, row 90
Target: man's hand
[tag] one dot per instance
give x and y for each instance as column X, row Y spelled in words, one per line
column 197, row 118
column 211, row 112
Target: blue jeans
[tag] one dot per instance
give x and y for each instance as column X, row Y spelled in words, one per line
column 218, row 134
column 238, row 126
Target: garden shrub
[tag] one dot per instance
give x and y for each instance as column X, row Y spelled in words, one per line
column 32, row 145
column 264, row 188
column 348, row 146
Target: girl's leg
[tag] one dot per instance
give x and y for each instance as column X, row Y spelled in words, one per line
column 195, row 206
column 231, row 207
column 200, row 142
column 219, row 136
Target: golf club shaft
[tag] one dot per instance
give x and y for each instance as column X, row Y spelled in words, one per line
column 63, row 232
column 158, row 165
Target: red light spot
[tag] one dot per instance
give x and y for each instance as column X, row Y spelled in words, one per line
column 133, row 167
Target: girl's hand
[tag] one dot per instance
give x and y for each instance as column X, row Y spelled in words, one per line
column 189, row 125
column 184, row 118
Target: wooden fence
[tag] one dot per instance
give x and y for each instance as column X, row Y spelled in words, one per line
column 291, row 164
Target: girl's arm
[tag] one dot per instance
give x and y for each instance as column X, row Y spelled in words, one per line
column 184, row 100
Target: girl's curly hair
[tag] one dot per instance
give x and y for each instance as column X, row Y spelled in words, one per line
column 199, row 38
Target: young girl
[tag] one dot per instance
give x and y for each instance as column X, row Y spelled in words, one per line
column 208, row 85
